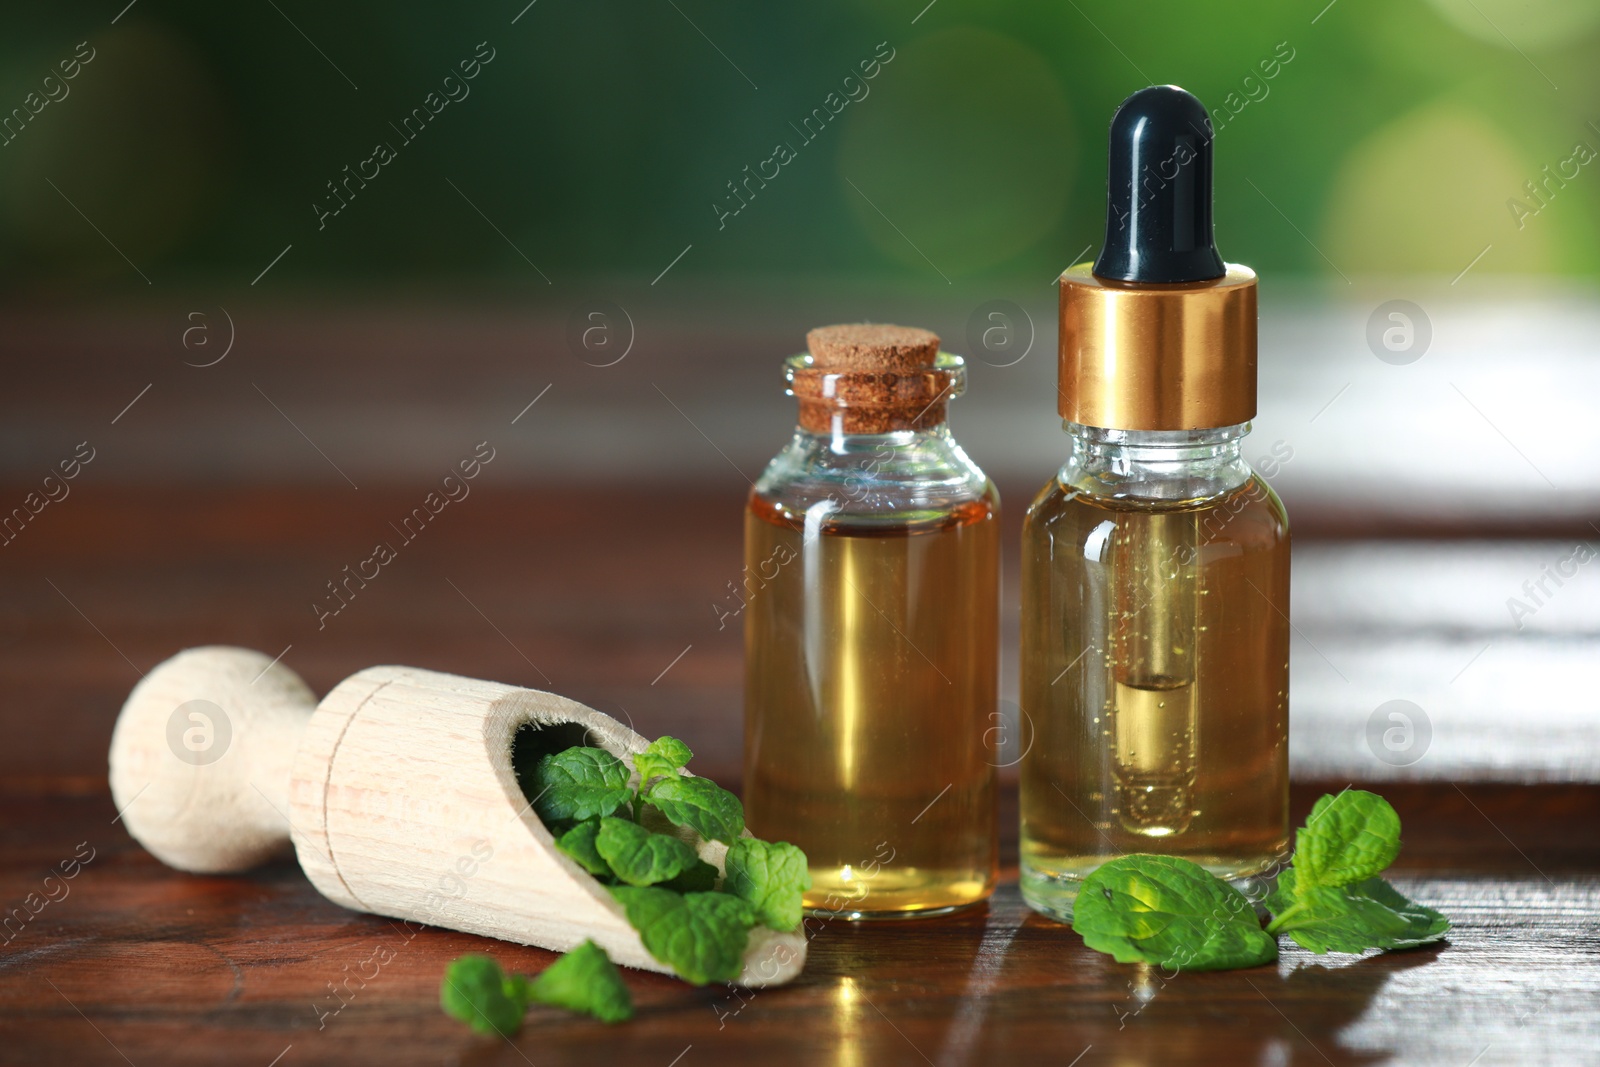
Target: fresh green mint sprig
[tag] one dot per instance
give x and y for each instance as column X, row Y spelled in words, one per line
column 1332, row 899
column 1174, row 913
column 480, row 994
column 643, row 843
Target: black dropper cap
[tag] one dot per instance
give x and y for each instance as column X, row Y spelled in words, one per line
column 1158, row 191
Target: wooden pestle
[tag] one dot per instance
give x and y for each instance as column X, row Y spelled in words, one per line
column 397, row 791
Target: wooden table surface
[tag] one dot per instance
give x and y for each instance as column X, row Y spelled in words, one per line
column 595, row 593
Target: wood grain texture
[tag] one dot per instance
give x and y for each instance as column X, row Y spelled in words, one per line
column 172, row 968
column 613, row 597
column 1491, row 430
column 606, row 597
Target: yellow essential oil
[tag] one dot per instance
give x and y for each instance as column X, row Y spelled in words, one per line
column 1155, row 565
column 871, row 639
column 1155, row 678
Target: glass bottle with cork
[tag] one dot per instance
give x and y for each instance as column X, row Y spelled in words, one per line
column 871, row 641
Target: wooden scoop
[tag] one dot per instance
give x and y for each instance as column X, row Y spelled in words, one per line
column 397, row 791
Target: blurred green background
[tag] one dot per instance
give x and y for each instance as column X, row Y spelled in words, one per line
column 1395, row 139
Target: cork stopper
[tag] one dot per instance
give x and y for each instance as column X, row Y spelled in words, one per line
column 871, row 346
column 873, row 378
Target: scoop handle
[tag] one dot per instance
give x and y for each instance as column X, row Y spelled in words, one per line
column 201, row 756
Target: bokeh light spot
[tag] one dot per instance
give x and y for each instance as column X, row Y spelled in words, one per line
column 1426, row 194
column 1521, row 23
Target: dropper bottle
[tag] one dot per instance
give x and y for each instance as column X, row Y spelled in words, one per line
column 1155, row 583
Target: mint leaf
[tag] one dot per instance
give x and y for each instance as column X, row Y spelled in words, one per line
column 771, row 877
column 1352, row 918
column 700, row 804
column 1332, row 899
column 661, row 758
column 476, row 991
column 1172, row 912
column 701, row 936
column 579, row 783
column 700, row 878
column 578, row 843
column 584, row 980
column 640, row 857
column 1348, row 838
column 1423, row 924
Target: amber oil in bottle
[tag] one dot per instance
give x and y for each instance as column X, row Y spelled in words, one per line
column 1155, row 675
column 871, row 645
column 1155, row 585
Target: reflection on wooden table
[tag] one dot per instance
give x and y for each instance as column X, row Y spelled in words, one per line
column 1428, row 500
